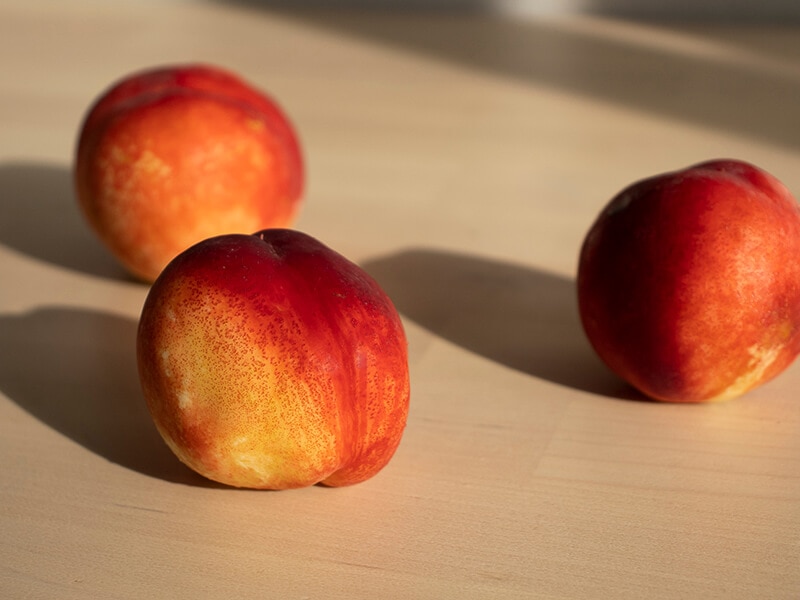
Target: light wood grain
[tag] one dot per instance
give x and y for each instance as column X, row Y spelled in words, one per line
column 460, row 160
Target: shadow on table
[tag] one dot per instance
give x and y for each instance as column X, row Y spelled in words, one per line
column 732, row 82
column 518, row 316
column 40, row 217
column 75, row 370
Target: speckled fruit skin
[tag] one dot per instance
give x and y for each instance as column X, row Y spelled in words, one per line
column 689, row 282
column 270, row 361
column 173, row 155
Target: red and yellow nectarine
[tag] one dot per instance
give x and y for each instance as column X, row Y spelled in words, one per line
column 173, row 155
column 689, row 282
column 271, row 361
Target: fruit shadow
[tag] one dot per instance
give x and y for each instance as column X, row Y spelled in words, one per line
column 40, row 217
column 75, row 371
column 521, row 317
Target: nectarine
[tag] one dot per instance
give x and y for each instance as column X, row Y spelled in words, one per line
column 271, row 361
column 170, row 156
column 689, row 282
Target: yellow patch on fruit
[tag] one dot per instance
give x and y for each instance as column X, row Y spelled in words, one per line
column 184, row 400
column 150, row 164
column 256, row 125
column 256, row 463
column 261, row 430
column 760, row 360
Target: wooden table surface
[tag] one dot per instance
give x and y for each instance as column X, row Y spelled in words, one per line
column 460, row 160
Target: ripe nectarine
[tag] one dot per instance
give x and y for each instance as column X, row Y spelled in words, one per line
column 689, row 282
column 170, row 156
column 271, row 361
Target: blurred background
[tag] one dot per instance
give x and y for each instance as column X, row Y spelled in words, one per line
column 439, row 116
column 717, row 10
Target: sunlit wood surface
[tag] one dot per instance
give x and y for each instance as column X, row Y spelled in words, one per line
column 460, row 160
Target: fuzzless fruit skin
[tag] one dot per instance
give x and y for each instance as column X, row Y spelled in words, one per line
column 270, row 361
column 689, row 282
column 169, row 156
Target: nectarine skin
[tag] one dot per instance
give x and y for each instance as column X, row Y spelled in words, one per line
column 270, row 361
column 170, row 156
column 689, row 282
